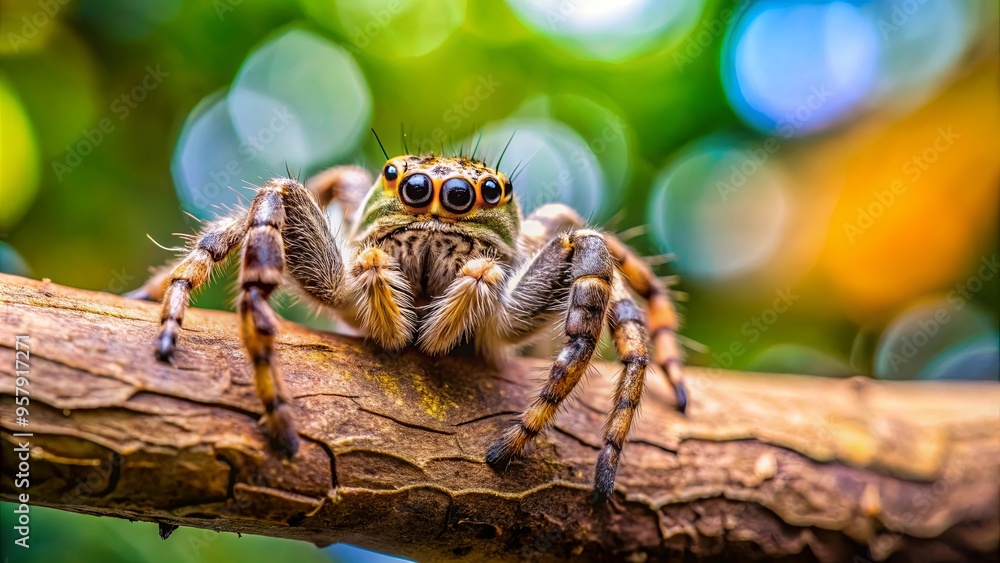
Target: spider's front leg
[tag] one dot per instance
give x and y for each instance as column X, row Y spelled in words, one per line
column 345, row 185
column 580, row 259
column 283, row 229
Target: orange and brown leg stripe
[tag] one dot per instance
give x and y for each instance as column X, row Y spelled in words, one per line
column 591, row 271
column 261, row 271
column 663, row 322
column 629, row 329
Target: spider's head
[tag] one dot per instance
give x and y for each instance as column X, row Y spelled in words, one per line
column 447, row 188
column 454, row 190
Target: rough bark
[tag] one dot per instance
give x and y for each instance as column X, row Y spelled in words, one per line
column 392, row 459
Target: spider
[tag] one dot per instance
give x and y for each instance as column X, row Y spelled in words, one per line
column 438, row 256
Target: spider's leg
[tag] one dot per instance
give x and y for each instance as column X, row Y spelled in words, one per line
column 312, row 255
column 629, row 329
column 467, row 303
column 285, row 229
column 544, row 223
column 213, row 244
column 548, row 220
column 383, row 300
column 261, row 271
column 346, row 184
column 580, row 258
column 663, row 322
column 174, row 285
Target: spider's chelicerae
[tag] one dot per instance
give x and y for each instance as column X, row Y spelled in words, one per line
column 438, row 255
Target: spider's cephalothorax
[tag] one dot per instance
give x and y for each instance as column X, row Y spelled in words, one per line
column 437, row 256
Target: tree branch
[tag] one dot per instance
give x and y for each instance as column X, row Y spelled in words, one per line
column 393, row 448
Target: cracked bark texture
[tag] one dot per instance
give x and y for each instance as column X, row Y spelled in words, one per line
column 763, row 466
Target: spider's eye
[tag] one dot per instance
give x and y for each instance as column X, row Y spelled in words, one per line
column 390, row 173
column 457, row 195
column 491, row 191
column 416, row 191
column 508, row 188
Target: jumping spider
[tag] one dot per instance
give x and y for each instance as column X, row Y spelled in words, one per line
column 438, row 255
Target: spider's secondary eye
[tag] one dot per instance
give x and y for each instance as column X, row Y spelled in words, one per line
column 491, row 191
column 508, row 188
column 416, row 191
column 457, row 195
column 390, row 173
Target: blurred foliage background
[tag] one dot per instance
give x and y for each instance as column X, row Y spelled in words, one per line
column 826, row 173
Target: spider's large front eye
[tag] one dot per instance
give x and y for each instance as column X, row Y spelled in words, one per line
column 390, row 173
column 457, row 195
column 491, row 191
column 416, row 191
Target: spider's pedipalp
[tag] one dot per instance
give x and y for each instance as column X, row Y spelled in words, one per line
column 383, row 301
column 467, row 303
column 313, row 258
column 590, row 271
